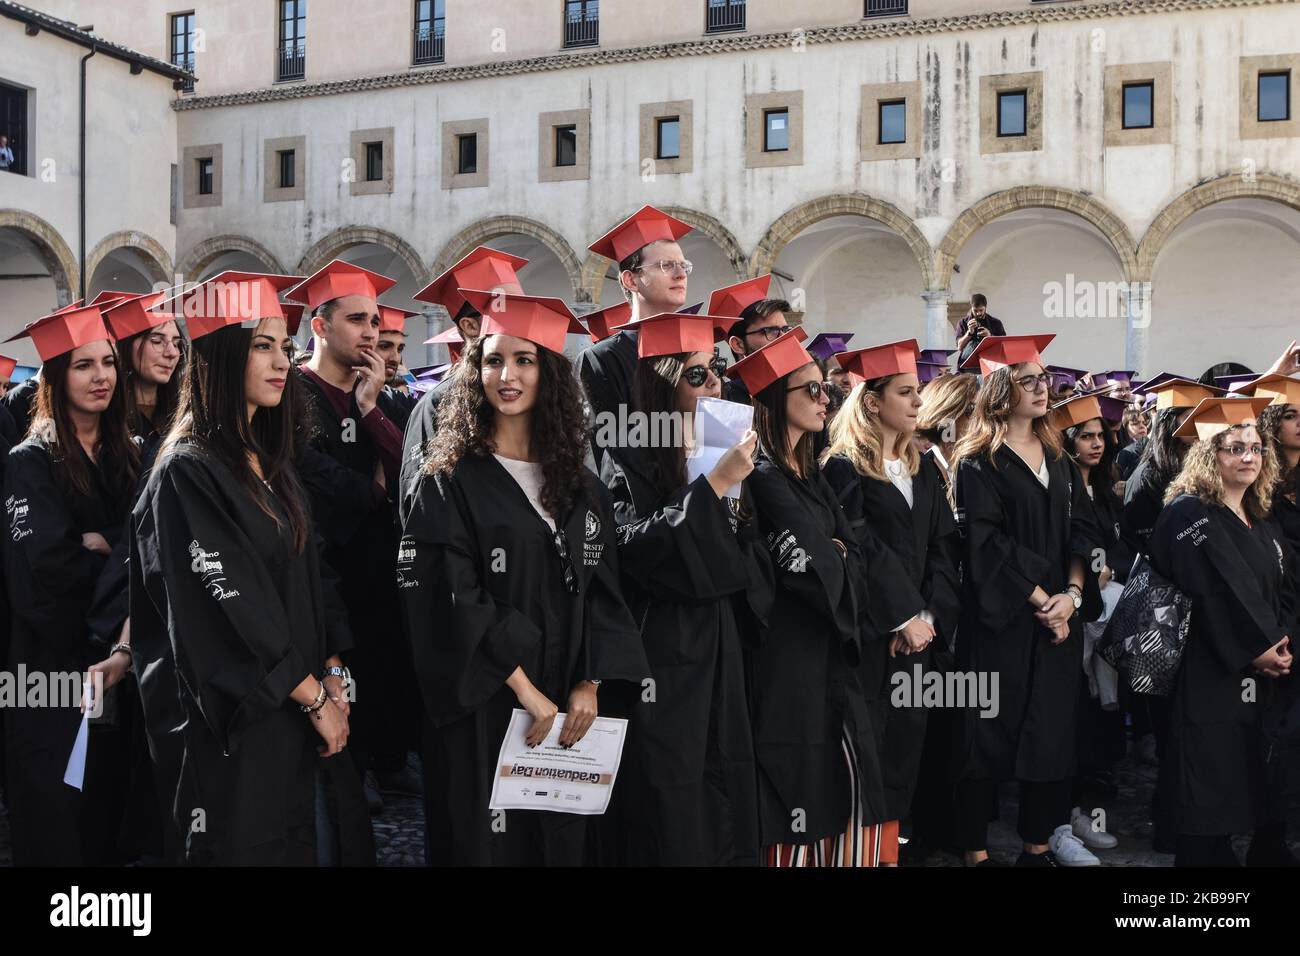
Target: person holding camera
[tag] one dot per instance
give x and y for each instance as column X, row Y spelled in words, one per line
column 975, row 326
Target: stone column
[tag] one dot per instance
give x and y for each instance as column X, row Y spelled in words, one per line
column 1137, row 301
column 938, row 332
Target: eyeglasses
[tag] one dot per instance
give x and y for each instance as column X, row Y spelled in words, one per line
column 813, row 388
column 1032, row 383
column 697, row 375
column 1238, row 449
column 669, row 266
column 570, row 575
column 771, row 332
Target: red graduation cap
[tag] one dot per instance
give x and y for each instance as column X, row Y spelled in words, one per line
column 775, row 360
column 602, row 323
column 136, row 314
column 452, row 339
column 1000, row 351
column 881, row 360
column 539, row 319
column 64, row 331
column 70, row 307
column 7, row 366
column 336, row 280
column 1074, row 411
column 643, row 227
column 483, row 268
column 108, row 296
column 732, row 300
column 826, row 344
column 674, row 332
column 232, row 298
column 392, row 319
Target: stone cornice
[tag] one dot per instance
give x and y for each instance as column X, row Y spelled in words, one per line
column 862, row 30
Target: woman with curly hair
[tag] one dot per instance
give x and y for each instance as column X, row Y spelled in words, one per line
column 1029, row 541
column 508, row 571
column 1215, row 542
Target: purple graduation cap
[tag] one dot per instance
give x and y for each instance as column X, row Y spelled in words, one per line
column 1230, row 382
column 1158, row 380
column 1062, row 376
column 691, row 309
column 826, row 344
column 1112, row 409
column 1109, row 378
column 927, row 372
column 937, row 356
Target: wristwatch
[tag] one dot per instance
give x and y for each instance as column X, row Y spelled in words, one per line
column 342, row 672
column 594, row 681
column 1075, row 596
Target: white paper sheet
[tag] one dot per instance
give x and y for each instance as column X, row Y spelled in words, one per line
column 718, row 426
column 579, row 779
column 75, row 774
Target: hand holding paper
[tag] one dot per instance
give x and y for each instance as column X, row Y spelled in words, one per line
column 725, row 444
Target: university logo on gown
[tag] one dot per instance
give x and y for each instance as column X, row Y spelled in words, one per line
column 406, row 562
column 592, row 549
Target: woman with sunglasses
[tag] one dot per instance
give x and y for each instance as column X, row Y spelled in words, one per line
column 819, row 783
column 697, row 577
column 888, row 491
column 68, row 490
column 1216, row 544
column 1029, row 543
column 509, row 575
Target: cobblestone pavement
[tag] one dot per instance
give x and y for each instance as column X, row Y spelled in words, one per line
column 399, row 829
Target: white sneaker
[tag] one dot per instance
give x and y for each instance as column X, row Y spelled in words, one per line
column 1081, row 824
column 1069, row 849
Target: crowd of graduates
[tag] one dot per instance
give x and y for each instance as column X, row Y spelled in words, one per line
column 288, row 572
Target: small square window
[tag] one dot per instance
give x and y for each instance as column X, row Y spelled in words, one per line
column 893, row 121
column 286, row 163
column 374, row 162
column 205, row 176
column 668, row 138
column 776, row 131
column 467, row 154
column 1011, row 113
column 1139, row 99
column 1274, row 97
column 566, row 146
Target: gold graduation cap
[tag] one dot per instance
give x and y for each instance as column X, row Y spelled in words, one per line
column 1279, row 389
column 1214, row 415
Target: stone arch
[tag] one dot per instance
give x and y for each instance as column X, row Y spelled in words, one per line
column 200, row 256
column 151, row 252
column 595, row 267
column 54, row 251
column 346, row 237
column 484, row 231
column 794, row 221
column 1167, row 221
column 1034, row 197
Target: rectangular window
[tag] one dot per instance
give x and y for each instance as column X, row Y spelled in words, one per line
column 286, row 162
column 374, row 162
column 1139, row 109
column 13, row 126
column 205, row 176
column 292, row 48
column 1011, row 113
column 886, row 8
column 182, row 44
column 566, row 146
column 722, row 16
column 893, row 121
column 467, row 153
column 1274, row 96
column 776, row 130
column 668, row 138
column 430, row 30
column 581, row 23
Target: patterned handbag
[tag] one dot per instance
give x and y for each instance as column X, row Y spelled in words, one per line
column 1145, row 636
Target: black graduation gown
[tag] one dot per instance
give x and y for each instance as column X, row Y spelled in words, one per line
column 421, row 425
column 733, row 390
column 226, row 620
column 51, row 581
column 921, row 541
column 1119, row 554
column 20, row 401
column 1223, row 744
column 700, row 584
column 472, row 624
column 6, row 442
column 606, row 370
column 1144, row 499
column 1019, row 535
column 804, row 683
column 397, row 405
column 1126, row 460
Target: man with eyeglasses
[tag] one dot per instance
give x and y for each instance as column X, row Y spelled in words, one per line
column 652, row 274
column 759, row 320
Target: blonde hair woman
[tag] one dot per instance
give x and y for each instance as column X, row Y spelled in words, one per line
column 946, row 406
column 1029, row 537
column 1215, row 542
column 895, row 501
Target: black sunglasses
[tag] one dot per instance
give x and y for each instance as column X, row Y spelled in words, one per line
column 570, row 575
column 814, row 389
column 697, row 375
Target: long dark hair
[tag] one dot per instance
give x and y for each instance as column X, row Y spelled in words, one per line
column 116, row 456
column 1288, row 482
column 168, row 394
column 559, row 428
column 213, row 413
column 1164, row 453
column 1102, row 477
column 654, row 389
column 771, row 421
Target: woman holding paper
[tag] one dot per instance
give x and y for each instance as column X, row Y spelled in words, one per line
column 67, row 491
column 509, row 578
column 888, row 491
column 697, row 577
